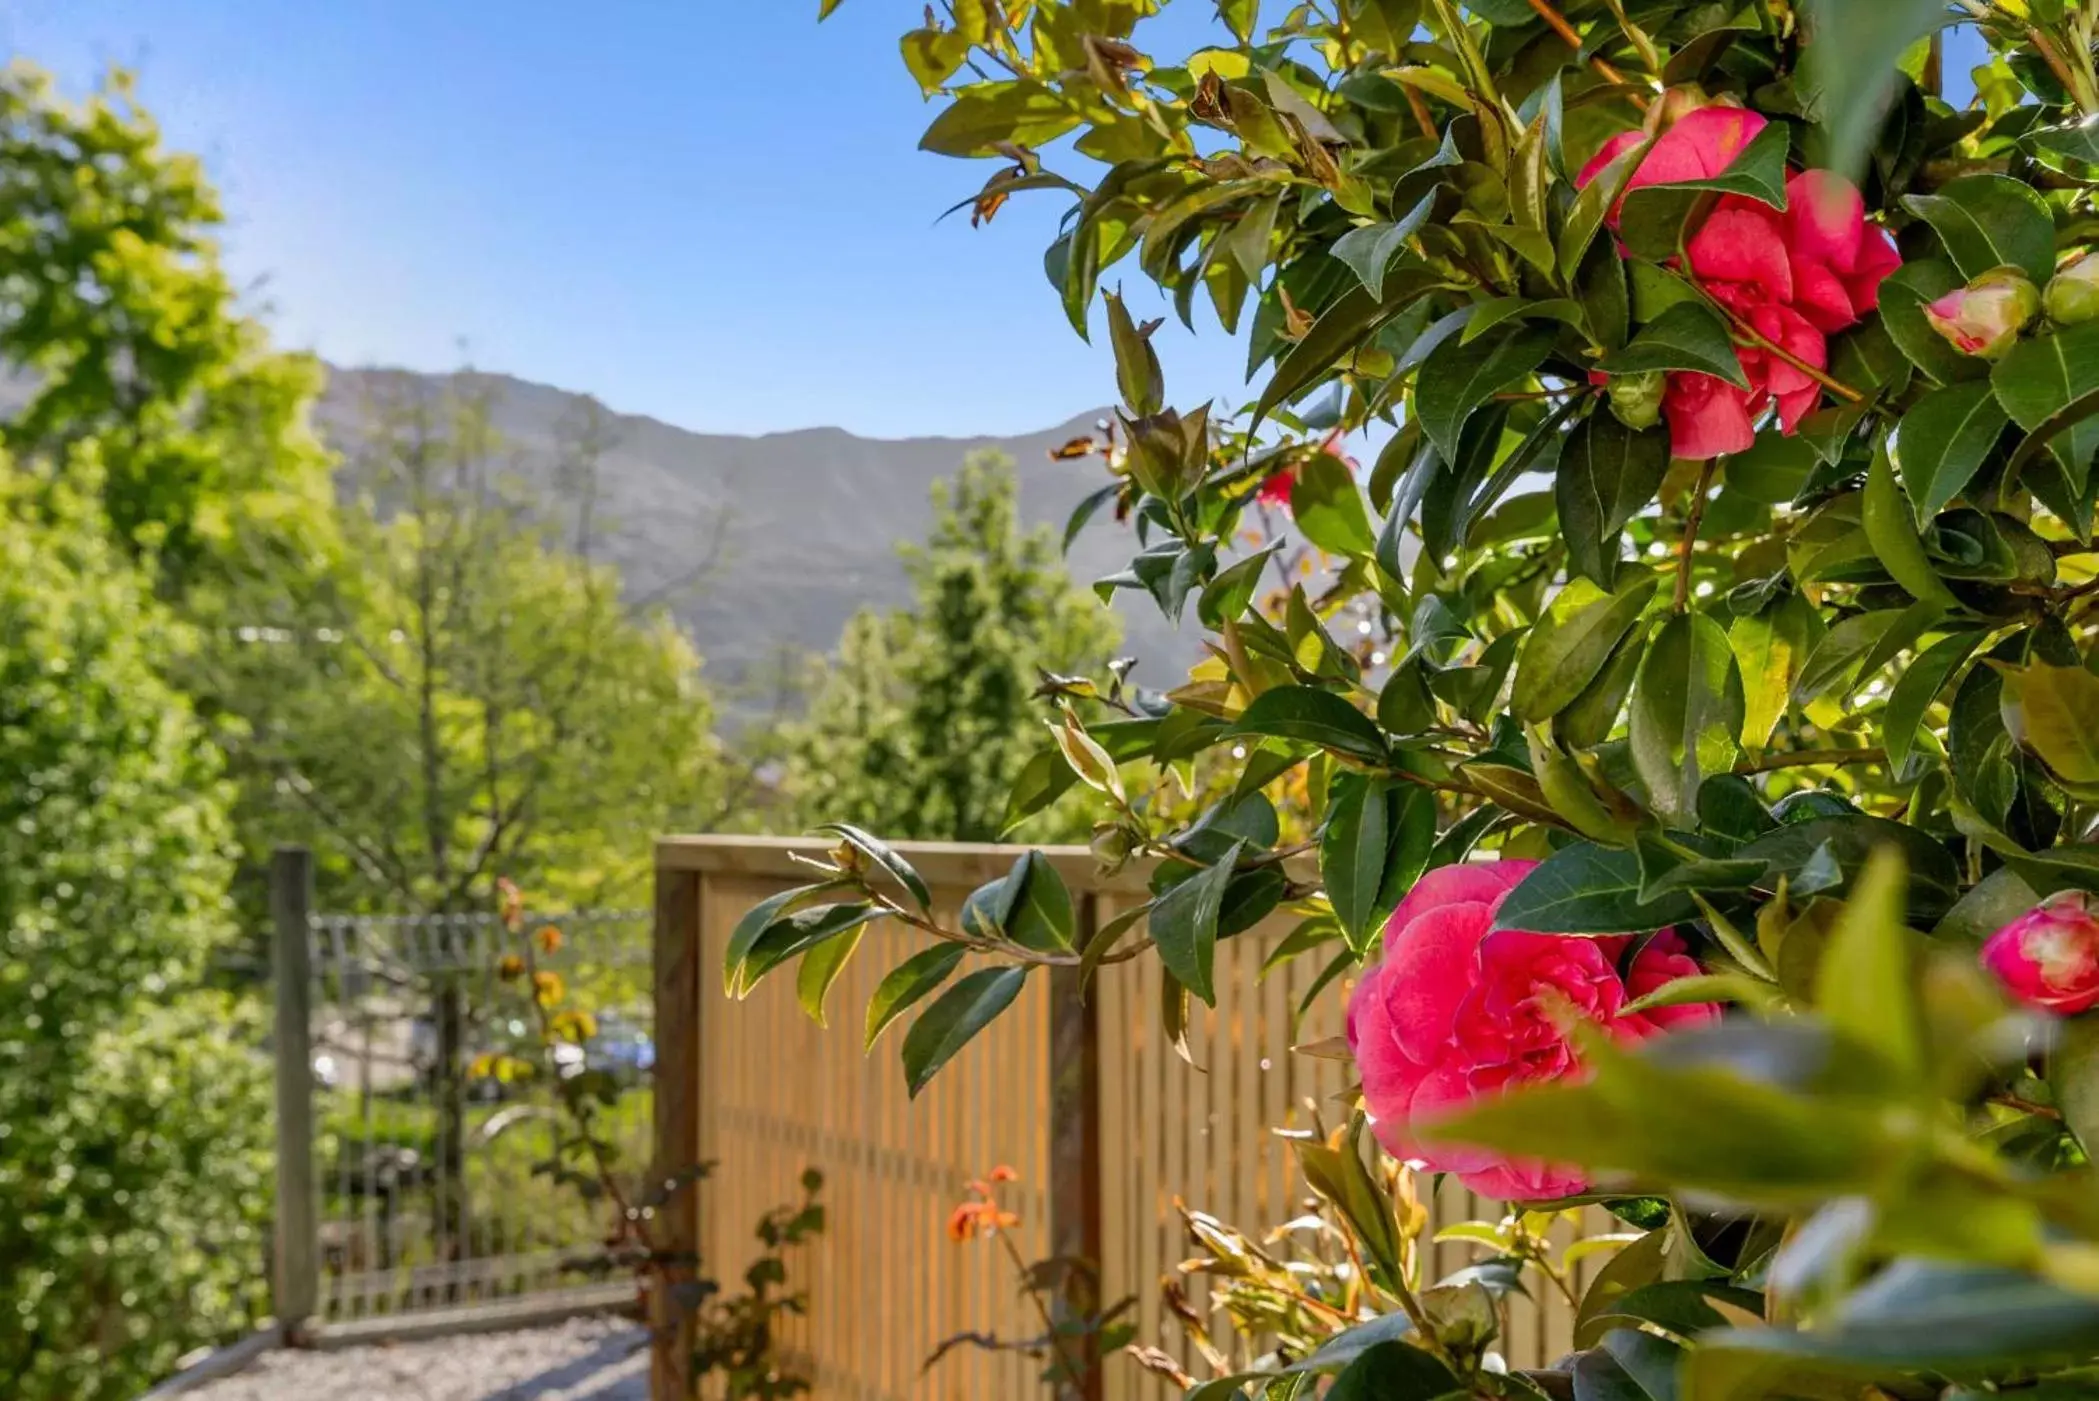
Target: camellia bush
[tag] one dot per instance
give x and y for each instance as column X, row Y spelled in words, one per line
column 1696, row 708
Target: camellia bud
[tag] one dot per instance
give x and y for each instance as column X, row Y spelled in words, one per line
column 1636, row 400
column 1112, row 847
column 2073, row 294
column 1986, row 316
column 1676, row 102
column 2049, row 956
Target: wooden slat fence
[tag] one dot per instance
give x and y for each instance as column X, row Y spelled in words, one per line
column 1105, row 1125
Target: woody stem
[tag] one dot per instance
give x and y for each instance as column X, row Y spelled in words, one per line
column 1770, row 347
column 1027, row 1282
column 1557, row 22
column 1691, row 523
column 1809, row 758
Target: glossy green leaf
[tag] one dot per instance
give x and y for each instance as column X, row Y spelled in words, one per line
column 1592, row 207
column 1587, row 888
column 1572, row 642
column 1991, row 221
column 2079, row 141
column 1228, row 596
column 1688, row 336
column 1352, row 852
column 1376, row 843
column 1608, row 474
column 1917, row 687
column 1892, row 532
column 1770, row 649
column 1184, row 924
column 1833, row 667
column 1865, row 988
column 944, row 1028
column 1942, row 442
column 1569, row 792
column 1328, row 507
column 1394, row 1371
column 1137, row 371
column 1040, row 915
column 1351, row 1343
column 907, row 984
column 885, row 856
column 756, row 920
column 1340, row 330
column 933, row 56
column 1701, row 1126
column 1589, row 720
column 2046, row 374
column 1934, row 880
column 820, row 968
column 1916, row 1316
column 980, row 117
column 1459, row 377
column 1369, row 251
column 1315, row 717
column 1687, row 713
column 793, row 935
column 2073, row 1074
column 2054, row 711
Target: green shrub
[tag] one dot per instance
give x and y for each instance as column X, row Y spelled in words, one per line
column 129, row 1126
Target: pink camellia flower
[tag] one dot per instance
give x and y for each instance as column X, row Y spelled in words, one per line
column 1985, row 317
column 1839, row 260
column 1697, row 146
column 1455, row 1013
column 1794, row 276
column 1708, row 417
column 1276, row 487
column 2049, row 956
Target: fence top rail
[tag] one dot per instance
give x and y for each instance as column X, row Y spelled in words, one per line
column 941, row 863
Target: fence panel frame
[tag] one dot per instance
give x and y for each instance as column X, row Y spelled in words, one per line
column 1093, row 1185
column 314, row 956
column 295, row 1265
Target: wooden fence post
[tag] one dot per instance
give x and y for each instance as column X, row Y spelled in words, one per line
column 677, row 1106
column 295, row 1282
column 1074, row 1149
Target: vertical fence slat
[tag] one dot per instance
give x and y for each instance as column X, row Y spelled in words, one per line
column 1074, row 1128
column 679, row 1090
column 297, row 1262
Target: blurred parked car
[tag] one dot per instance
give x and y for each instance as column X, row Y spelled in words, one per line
column 621, row 1049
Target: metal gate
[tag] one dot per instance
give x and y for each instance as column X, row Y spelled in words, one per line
column 415, row 1160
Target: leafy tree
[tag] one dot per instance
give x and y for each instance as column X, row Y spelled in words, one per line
column 1729, row 571
column 927, row 716
column 114, row 308
column 459, row 693
column 134, row 1122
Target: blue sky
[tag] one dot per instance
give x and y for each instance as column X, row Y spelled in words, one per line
column 709, row 211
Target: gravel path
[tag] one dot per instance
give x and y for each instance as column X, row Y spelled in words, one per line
column 585, row 1359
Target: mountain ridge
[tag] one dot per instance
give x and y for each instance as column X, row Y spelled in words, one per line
column 792, row 531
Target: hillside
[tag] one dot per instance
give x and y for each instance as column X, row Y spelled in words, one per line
column 764, row 545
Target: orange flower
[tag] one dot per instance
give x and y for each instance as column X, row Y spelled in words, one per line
column 510, row 968
column 970, row 1219
column 548, row 988
column 1002, row 1173
column 549, row 938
